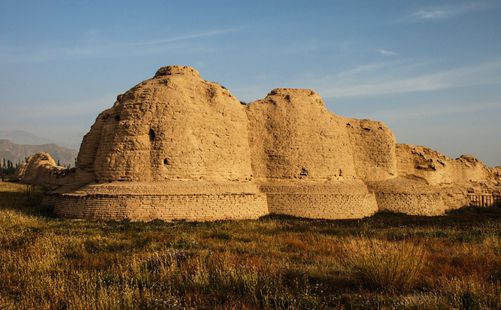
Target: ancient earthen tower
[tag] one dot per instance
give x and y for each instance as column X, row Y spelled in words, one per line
column 177, row 147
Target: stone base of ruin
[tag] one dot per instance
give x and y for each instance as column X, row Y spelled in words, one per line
column 167, row 201
column 200, row 201
column 332, row 200
column 402, row 195
column 204, row 201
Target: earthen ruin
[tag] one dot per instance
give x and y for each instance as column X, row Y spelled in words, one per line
column 177, row 147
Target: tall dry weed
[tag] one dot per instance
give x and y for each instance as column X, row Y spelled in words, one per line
column 386, row 265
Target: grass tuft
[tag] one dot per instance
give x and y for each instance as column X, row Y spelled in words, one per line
column 392, row 266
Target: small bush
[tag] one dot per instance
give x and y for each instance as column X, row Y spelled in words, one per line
column 383, row 265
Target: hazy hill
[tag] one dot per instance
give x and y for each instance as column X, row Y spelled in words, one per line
column 23, row 137
column 17, row 152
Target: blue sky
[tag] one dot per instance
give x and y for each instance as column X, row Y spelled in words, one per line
column 430, row 69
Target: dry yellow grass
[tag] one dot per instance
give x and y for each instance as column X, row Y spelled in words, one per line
column 388, row 265
column 388, row 261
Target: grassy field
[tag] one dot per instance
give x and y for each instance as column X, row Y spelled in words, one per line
column 386, row 261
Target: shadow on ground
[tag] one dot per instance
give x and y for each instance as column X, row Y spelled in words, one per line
column 18, row 198
column 27, row 201
column 465, row 215
column 469, row 224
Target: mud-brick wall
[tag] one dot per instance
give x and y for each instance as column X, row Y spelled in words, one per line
column 201, row 207
column 438, row 169
column 373, row 146
column 427, row 204
column 322, row 206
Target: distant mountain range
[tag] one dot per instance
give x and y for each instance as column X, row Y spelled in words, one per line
column 18, row 152
column 23, row 137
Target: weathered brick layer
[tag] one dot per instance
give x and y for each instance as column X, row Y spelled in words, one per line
column 197, row 207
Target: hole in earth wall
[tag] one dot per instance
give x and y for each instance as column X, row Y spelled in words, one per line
column 152, row 135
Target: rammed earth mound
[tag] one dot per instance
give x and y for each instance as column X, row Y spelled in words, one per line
column 177, row 147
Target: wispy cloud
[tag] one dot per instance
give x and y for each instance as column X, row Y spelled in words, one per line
column 435, row 109
column 382, row 78
column 400, row 79
column 185, row 37
column 438, row 13
column 326, row 85
column 386, row 52
column 9, row 54
column 367, row 69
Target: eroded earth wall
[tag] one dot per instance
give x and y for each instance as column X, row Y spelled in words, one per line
column 373, row 146
column 293, row 136
column 462, row 181
column 41, row 169
column 177, row 147
column 302, row 158
column 436, row 168
column 173, row 126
